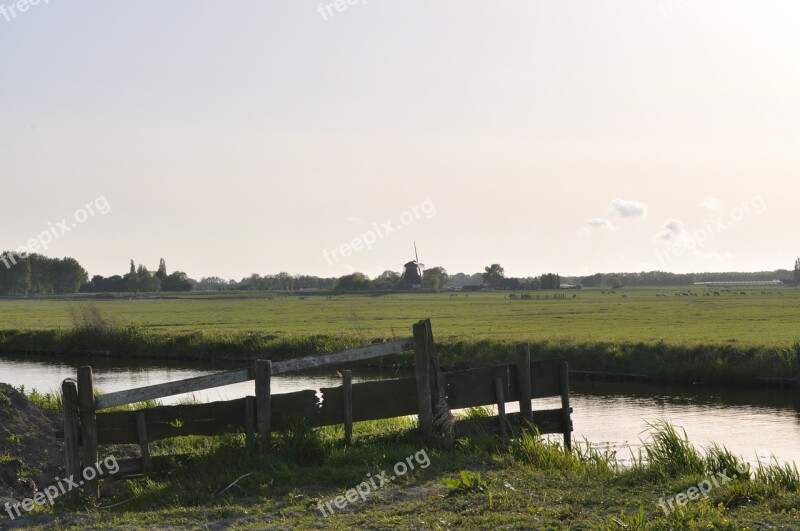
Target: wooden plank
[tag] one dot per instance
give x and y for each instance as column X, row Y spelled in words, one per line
column 347, row 397
column 475, row 387
column 524, row 381
column 343, row 356
column 263, row 376
column 545, row 378
column 546, row 421
column 153, row 392
column 144, row 446
column 501, row 404
column 72, row 448
column 303, row 404
column 371, row 401
column 213, row 418
column 88, row 428
column 566, row 421
column 422, row 374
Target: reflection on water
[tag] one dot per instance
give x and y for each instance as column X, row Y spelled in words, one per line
column 753, row 423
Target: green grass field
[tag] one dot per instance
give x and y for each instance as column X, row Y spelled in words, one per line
column 726, row 339
column 630, row 315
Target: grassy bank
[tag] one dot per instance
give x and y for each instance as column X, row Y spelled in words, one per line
column 485, row 482
column 677, row 335
column 719, row 364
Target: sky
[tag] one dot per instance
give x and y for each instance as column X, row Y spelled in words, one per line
column 324, row 138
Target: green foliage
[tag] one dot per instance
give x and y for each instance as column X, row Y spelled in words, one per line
column 466, row 482
column 669, row 454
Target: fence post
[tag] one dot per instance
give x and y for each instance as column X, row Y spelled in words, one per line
column 524, row 383
column 422, row 373
column 566, row 422
column 263, row 376
column 249, row 418
column 144, row 445
column 501, row 404
column 72, row 447
column 88, row 430
column 347, row 389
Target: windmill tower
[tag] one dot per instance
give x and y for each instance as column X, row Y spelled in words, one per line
column 412, row 273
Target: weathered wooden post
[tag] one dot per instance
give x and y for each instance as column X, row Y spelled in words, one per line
column 249, row 417
column 565, row 408
column 422, row 374
column 263, row 377
column 501, row 404
column 88, row 417
column 144, row 445
column 72, row 447
column 347, row 390
column 524, row 384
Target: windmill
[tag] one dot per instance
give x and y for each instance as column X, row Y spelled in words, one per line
column 412, row 274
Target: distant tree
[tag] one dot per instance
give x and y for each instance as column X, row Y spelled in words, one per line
column 615, row 281
column 178, row 281
column 493, row 275
column 162, row 271
column 387, row 280
column 592, row 281
column 352, row 282
column 435, row 278
column 146, row 282
column 550, row 281
column 797, row 271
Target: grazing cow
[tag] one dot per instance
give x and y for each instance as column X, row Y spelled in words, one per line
column 512, row 295
column 716, row 293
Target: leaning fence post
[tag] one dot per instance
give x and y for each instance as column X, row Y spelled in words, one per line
column 88, row 429
column 263, row 376
column 72, row 447
column 347, row 390
column 422, row 373
column 565, row 409
column 524, row 383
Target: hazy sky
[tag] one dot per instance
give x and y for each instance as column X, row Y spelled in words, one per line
column 240, row 137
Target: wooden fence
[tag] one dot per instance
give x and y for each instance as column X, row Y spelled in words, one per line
column 430, row 394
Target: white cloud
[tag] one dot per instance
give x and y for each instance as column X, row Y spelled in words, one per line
column 711, row 203
column 673, row 229
column 629, row 209
column 600, row 223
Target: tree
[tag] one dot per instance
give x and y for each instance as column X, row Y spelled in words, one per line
column 797, row 271
column 592, row 281
column 352, row 282
column 387, row 280
column 550, row 281
column 493, row 275
column 162, row 271
column 435, row 278
column 177, row 281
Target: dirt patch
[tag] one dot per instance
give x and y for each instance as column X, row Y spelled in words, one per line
column 30, row 455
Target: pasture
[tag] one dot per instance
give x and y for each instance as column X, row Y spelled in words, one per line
column 641, row 315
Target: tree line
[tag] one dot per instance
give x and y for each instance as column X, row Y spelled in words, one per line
column 38, row 274
column 140, row 279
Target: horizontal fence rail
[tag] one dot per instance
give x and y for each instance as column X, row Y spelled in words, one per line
column 153, row 392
